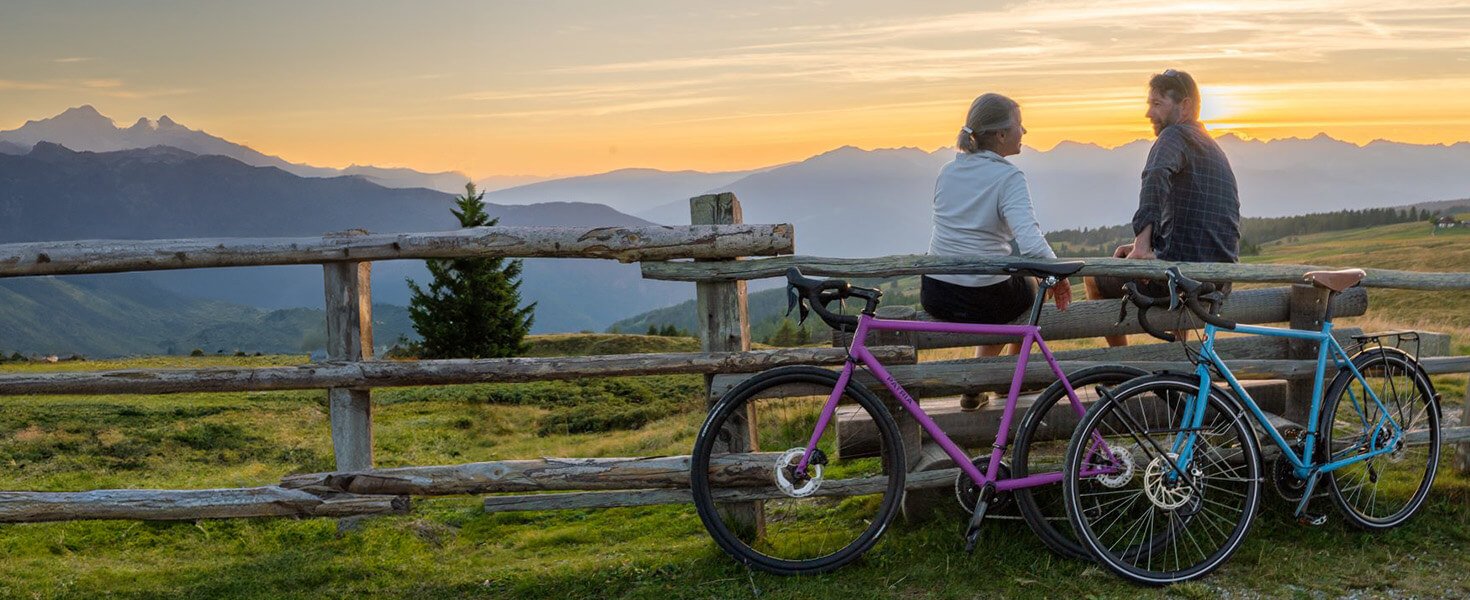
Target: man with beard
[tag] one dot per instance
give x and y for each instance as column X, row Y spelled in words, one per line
column 1189, row 208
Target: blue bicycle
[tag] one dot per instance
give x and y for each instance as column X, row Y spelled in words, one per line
column 1179, row 480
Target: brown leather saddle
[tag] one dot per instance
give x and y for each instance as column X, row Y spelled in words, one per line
column 1336, row 281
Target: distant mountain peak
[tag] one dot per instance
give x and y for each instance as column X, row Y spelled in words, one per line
column 143, row 124
column 84, row 115
column 50, row 150
column 86, row 111
column 166, row 123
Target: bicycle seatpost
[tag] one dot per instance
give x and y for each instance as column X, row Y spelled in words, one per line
column 1043, row 284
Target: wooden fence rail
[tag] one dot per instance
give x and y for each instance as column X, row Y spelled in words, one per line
column 625, row 244
column 378, row 374
column 889, row 266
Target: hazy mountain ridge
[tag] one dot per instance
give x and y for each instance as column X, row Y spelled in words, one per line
column 631, row 191
column 124, row 315
column 84, row 129
column 53, row 193
column 854, row 203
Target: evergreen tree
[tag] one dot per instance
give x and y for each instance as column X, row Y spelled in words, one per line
column 669, row 331
column 785, row 334
column 472, row 307
column 652, row 329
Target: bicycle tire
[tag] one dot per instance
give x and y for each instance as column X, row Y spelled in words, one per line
column 1344, row 426
column 1041, row 442
column 1203, row 516
column 801, row 534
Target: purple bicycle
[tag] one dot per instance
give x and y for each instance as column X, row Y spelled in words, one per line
column 799, row 470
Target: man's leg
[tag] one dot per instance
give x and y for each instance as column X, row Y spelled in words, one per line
column 1095, row 292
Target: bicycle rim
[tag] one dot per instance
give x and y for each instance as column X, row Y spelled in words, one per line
column 1383, row 491
column 764, row 512
column 1141, row 517
column 1041, row 447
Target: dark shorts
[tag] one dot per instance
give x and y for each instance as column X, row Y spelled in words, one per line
column 992, row 304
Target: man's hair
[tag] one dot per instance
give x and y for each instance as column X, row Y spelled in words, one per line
column 1177, row 85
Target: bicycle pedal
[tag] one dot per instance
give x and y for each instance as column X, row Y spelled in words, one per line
column 1312, row 520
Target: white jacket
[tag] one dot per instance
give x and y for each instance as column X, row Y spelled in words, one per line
column 981, row 204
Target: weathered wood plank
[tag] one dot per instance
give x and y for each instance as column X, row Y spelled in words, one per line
column 350, row 339
column 857, row 436
column 570, row 500
column 1097, row 318
column 625, row 244
column 427, row 372
column 889, row 266
column 1308, row 311
column 994, row 374
column 546, row 474
column 188, row 505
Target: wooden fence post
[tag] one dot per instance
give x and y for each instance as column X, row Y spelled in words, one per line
column 724, row 326
column 919, row 456
column 1462, row 452
column 350, row 338
column 1308, row 309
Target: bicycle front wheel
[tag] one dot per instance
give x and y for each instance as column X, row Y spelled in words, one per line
column 1041, row 448
column 1385, row 490
column 1131, row 505
column 766, row 512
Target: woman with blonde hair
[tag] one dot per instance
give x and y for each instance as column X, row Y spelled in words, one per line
column 981, row 206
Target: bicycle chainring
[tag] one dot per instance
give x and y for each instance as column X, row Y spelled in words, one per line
column 967, row 492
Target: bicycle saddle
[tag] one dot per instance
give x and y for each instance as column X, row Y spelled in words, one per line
column 1336, row 281
column 1039, row 269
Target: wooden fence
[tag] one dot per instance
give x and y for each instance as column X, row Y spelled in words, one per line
column 716, row 242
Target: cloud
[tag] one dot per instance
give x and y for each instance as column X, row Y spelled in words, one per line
column 74, row 59
column 26, row 86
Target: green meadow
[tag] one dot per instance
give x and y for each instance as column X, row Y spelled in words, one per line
column 450, row 548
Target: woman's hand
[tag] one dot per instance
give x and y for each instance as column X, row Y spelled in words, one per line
column 1061, row 293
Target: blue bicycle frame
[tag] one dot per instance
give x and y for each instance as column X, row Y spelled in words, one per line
column 1305, row 468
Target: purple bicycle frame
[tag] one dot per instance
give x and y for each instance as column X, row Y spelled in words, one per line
column 1029, row 334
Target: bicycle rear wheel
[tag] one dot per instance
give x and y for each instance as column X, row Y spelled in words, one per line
column 765, row 513
column 1384, row 491
column 1137, row 514
column 1041, row 447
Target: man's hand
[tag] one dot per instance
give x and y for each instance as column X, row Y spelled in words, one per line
column 1142, row 246
column 1061, row 293
column 1136, row 253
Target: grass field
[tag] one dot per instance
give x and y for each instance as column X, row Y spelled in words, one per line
column 449, row 548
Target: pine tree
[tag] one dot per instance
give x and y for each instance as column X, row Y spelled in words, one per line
column 785, row 334
column 472, row 307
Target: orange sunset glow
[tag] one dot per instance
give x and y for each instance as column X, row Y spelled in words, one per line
column 582, row 87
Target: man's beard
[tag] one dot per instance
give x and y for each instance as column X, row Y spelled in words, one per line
column 1158, row 126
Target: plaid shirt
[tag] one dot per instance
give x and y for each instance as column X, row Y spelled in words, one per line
column 1189, row 197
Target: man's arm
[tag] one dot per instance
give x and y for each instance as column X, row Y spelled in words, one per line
column 1165, row 159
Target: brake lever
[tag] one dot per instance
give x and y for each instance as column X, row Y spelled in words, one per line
column 1173, row 294
column 1123, row 310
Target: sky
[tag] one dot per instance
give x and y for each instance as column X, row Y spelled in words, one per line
column 555, row 87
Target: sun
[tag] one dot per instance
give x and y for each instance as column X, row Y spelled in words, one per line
column 1221, row 103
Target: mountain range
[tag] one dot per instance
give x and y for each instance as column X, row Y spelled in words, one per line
column 851, row 202
column 84, row 129
column 53, row 193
